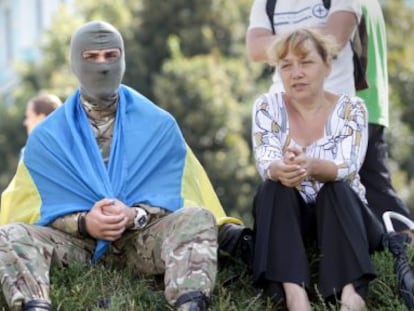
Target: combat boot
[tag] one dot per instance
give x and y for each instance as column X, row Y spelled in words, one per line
column 37, row 305
column 192, row 301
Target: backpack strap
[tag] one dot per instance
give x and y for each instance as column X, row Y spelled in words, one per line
column 359, row 45
column 270, row 10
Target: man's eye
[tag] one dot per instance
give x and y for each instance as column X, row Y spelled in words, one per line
column 89, row 57
column 111, row 56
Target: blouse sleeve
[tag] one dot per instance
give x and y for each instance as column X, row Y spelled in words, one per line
column 351, row 137
column 267, row 128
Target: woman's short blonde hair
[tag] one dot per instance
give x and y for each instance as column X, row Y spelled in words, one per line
column 295, row 40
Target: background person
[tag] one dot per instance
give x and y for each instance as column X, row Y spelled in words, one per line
column 374, row 172
column 339, row 21
column 38, row 108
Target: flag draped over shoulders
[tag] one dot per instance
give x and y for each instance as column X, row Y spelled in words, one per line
column 62, row 170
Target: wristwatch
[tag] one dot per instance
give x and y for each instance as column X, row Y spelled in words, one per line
column 140, row 219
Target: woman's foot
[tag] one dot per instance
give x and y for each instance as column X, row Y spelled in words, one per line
column 296, row 297
column 350, row 300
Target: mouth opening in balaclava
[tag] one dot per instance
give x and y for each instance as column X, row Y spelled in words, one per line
column 99, row 82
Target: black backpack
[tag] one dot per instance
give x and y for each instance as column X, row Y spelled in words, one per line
column 235, row 241
column 359, row 45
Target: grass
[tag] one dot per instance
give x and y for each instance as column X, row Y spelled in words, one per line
column 83, row 288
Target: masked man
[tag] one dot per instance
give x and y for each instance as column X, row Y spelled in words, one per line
column 108, row 177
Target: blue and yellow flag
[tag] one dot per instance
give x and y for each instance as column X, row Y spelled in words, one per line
column 62, row 170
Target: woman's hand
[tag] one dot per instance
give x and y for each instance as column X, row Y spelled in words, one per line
column 295, row 155
column 312, row 168
column 288, row 171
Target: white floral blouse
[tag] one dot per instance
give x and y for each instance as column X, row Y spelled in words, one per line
column 344, row 142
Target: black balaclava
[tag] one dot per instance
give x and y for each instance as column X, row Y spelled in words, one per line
column 99, row 82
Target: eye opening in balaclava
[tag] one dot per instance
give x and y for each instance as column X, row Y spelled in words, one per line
column 107, row 55
column 99, row 81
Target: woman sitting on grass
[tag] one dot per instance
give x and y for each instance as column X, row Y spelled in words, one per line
column 309, row 145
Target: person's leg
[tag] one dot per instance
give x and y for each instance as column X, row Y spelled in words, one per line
column 375, row 176
column 296, row 297
column 280, row 221
column 26, row 253
column 343, row 242
column 351, row 299
column 183, row 246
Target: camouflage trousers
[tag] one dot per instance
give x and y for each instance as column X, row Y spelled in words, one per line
column 181, row 245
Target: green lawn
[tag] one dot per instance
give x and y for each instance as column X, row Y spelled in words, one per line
column 83, row 288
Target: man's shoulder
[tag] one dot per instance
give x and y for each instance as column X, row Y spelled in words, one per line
column 139, row 103
column 132, row 96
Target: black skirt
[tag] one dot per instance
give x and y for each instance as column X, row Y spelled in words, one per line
column 340, row 224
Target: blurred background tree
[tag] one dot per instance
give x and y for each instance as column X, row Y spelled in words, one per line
column 400, row 36
column 189, row 58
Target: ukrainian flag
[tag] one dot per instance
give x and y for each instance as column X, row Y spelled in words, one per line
column 62, row 170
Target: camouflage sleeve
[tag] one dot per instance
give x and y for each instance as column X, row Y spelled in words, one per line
column 68, row 224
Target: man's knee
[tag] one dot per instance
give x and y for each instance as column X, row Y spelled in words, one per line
column 198, row 215
column 14, row 231
column 194, row 222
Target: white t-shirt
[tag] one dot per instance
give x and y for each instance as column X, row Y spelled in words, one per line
column 291, row 14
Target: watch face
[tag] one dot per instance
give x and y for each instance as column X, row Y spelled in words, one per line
column 142, row 221
column 141, row 218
